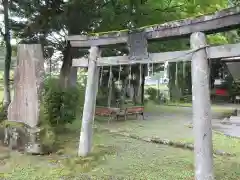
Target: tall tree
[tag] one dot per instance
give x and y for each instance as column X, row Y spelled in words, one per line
column 8, row 55
column 52, row 21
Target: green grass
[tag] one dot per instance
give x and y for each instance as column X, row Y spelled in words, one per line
column 179, row 104
column 123, row 157
column 140, row 160
column 119, row 157
column 63, row 163
column 1, row 83
column 177, row 107
column 168, row 126
column 222, row 142
column 162, row 87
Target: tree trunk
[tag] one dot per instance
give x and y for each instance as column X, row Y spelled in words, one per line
column 137, row 90
column 178, row 81
column 131, row 91
column 176, row 76
column 143, row 83
column 124, row 91
column 73, row 76
column 189, row 79
column 114, row 95
column 110, row 89
column 172, row 78
column 135, row 94
column 184, row 78
column 181, row 79
column 66, row 67
column 7, row 39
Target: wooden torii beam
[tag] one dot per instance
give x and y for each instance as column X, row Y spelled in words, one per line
column 213, row 23
column 214, row 52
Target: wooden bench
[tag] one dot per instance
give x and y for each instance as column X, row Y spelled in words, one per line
column 135, row 110
column 109, row 112
column 115, row 113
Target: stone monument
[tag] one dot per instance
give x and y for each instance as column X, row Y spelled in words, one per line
column 28, row 81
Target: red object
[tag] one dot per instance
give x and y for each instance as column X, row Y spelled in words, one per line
column 221, row 92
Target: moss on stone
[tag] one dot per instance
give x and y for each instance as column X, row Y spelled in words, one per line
column 12, row 124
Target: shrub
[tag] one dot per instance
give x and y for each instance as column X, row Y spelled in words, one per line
column 102, row 96
column 3, row 112
column 186, row 99
column 60, row 105
column 103, row 93
column 47, row 138
column 152, row 93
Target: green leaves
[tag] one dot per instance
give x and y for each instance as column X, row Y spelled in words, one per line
column 60, row 106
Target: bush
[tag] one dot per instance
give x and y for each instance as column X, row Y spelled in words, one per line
column 48, row 138
column 3, row 112
column 102, row 96
column 186, row 99
column 60, row 105
column 152, row 93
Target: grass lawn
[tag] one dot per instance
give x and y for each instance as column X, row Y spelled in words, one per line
column 124, row 157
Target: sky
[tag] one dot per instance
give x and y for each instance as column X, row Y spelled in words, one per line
column 13, row 41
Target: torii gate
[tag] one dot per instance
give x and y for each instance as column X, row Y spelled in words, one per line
column 199, row 54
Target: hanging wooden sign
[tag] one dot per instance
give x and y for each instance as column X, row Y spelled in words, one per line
column 137, row 43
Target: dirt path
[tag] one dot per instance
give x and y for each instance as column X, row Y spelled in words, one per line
column 186, row 117
column 228, row 129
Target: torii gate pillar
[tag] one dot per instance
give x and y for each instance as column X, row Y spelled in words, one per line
column 85, row 143
column 202, row 126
